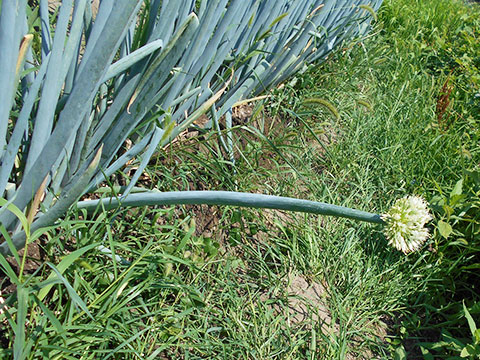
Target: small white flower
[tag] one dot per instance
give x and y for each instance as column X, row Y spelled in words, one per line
column 405, row 223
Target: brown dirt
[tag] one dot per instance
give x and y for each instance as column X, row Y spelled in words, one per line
column 35, row 257
column 307, row 301
column 53, row 4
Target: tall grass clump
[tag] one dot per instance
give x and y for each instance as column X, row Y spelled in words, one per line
column 447, row 47
column 405, row 121
column 410, row 125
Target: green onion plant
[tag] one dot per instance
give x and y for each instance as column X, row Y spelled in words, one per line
column 77, row 87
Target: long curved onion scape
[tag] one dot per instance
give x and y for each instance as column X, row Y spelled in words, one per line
column 404, row 223
column 99, row 89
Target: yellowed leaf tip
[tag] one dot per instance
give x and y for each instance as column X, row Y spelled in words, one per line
column 93, row 165
column 24, row 46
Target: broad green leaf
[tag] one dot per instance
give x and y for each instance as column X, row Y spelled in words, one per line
column 18, row 213
column 476, row 336
column 469, row 351
column 450, row 341
column 400, row 353
column 426, row 354
column 444, row 228
column 457, row 189
column 472, row 266
column 471, row 322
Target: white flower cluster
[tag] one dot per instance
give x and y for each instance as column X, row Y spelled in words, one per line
column 405, row 223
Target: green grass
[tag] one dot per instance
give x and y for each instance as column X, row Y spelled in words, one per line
column 200, row 282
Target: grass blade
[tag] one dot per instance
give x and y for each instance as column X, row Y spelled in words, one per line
column 22, row 305
column 71, row 292
column 4, row 263
column 63, row 265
